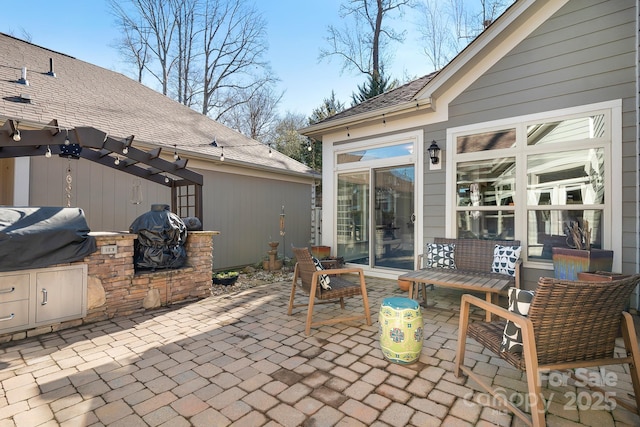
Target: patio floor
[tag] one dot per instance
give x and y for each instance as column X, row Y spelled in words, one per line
column 238, row 359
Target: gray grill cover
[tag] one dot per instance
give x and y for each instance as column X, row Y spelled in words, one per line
column 34, row 237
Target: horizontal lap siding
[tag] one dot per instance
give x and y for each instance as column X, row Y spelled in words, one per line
column 583, row 54
column 246, row 211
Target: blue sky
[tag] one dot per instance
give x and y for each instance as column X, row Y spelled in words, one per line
column 296, row 30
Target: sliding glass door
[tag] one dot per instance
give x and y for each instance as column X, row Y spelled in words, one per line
column 376, row 228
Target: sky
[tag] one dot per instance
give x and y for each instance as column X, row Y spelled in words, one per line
column 296, row 31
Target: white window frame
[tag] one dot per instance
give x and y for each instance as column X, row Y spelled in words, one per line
column 416, row 159
column 612, row 236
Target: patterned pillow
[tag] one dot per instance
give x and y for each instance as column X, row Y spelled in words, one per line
column 519, row 302
column 504, row 259
column 441, row 255
column 323, row 279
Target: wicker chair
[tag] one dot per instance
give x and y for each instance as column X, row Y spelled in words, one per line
column 341, row 287
column 570, row 325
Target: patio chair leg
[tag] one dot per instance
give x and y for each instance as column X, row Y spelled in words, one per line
column 462, row 336
column 631, row 345
column 365, row 299
column 293, row 290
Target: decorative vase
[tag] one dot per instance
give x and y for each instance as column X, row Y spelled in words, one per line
column 568, row 262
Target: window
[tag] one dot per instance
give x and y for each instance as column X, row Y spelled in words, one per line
column 529, row 179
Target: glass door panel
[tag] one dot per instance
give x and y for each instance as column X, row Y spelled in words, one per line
column 394, row 217
column 353, row 215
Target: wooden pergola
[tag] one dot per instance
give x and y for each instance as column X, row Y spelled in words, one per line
column 95, row 145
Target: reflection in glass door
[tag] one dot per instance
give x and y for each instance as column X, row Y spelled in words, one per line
column 353, row 217
column 393, row 217
column 379, row 223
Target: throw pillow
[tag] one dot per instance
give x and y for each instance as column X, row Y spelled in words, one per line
column 324, row 279
column 519, row 302
column 441, row 255
column 505, row 258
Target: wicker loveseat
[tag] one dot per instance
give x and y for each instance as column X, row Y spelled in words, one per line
column 473, row 259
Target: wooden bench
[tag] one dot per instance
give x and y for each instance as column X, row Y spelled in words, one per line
column 473, row 260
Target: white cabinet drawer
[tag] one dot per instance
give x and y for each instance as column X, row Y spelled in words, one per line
column 14, row 315
column 14, row 287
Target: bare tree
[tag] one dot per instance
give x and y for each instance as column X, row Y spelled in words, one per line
column 447, row 27
column 257, row 117
column 234, row 43
column 361, row 44
column 207, row 54
column 186, row 33
column 434, row 28
column 286, row 138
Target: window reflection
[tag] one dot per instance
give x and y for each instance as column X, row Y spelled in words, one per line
column 486, row 141
column 546, row 229
column 488, row 225
column 486, row 182
column 565, row 178
column 369, row 154
column 566, row 130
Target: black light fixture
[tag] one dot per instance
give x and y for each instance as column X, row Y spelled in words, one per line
column 434, row 153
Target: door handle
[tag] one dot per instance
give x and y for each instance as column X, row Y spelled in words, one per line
column 45, row 297
column 413, row 218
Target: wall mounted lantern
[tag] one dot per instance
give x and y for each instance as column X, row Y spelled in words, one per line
column 434, row 153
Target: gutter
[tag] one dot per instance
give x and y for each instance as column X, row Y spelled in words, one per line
column 394, row 110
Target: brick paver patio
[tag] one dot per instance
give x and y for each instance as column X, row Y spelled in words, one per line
column 240, row 360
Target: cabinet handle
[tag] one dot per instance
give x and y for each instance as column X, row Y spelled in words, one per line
column 9, row 317
column 44, row 297
column 8, row 290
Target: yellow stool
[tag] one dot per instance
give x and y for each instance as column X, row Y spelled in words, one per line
column 401, row 329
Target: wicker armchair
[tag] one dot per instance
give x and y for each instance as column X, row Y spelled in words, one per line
column 341, row 287
column 570, row 325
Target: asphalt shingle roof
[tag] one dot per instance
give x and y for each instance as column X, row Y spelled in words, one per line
column 83, row 94
column 400, row 95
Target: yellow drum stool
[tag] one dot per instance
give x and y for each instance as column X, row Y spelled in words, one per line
column 401, row 329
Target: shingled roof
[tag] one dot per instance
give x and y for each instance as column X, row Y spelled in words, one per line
column 400, row 95
column 79, row 94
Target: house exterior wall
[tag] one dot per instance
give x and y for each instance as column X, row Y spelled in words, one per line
column 584, row 54
column 246, row 211
column 243, row 205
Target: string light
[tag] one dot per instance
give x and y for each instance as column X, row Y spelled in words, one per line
column 116, row 161
column 384, row 121
column 125, row 150
column 66, row 139
column 175, row 152
column 270, row 153
column 222, row 154
column 166, row 179
column 48, row 153
column 348, row 134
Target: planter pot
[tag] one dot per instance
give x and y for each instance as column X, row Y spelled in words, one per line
column 226, row 281
column 567, row 262
column 321, row 252
column 404, row 285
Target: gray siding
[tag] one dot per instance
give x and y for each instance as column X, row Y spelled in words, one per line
column 584, row 54
column 103, row 193
column 246, row 212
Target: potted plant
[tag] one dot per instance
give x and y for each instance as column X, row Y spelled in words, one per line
column 578, row 255
column 225, row 278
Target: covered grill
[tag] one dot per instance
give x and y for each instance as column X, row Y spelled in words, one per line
column 161, row 238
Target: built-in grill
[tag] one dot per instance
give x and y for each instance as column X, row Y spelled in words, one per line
column 161, row 238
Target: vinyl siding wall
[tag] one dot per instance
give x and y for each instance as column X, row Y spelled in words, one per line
column 584, row 54
column 244, row 209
